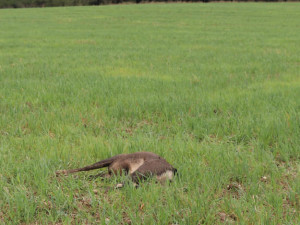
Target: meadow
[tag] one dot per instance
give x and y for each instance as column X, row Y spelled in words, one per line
column 213, row 88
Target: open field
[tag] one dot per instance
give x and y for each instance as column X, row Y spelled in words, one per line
column 213, row 88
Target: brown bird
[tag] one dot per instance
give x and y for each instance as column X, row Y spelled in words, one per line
column 139, row 166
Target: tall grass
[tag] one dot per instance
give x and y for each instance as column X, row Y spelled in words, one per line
column 213, row 88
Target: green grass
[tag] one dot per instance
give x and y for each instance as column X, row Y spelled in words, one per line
column 213, row 88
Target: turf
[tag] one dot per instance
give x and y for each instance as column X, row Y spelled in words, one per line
column 213, row 88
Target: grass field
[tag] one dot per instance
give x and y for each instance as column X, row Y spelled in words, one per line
column 213, row 88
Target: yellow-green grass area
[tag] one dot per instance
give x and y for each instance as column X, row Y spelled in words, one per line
column 213, row 88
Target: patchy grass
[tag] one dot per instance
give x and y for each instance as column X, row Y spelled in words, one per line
column 213, row 88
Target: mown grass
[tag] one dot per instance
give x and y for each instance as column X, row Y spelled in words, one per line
column 213, row 88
